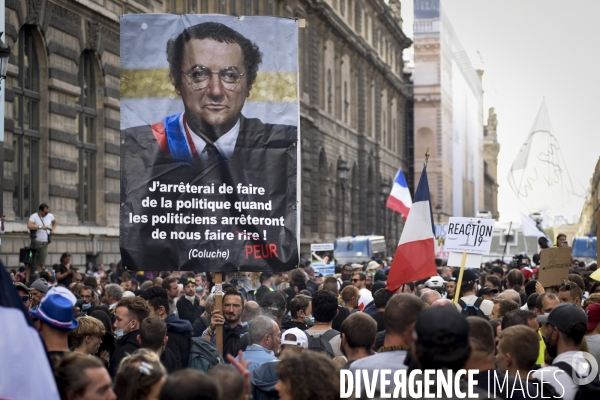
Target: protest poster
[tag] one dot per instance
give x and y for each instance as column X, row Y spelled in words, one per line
column 322, row 258
column 554, row 266
column 209, row 143
column 469, row 235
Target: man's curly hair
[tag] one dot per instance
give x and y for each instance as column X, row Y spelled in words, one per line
column 312, row 376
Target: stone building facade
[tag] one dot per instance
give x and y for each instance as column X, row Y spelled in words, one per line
column 491, row 148
column 589, row 221
column 62, row 115
column 448, row 115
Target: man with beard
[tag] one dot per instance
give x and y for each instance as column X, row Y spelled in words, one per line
column 235, row 332
column 565, row 327
column 188, row 306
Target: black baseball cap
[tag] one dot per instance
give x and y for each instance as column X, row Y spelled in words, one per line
column 444, row 330
column 486, row 290
column 565, row 317
column 265, row 275
column 469, row 276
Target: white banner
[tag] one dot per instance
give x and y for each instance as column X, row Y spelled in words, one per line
column 469, row 235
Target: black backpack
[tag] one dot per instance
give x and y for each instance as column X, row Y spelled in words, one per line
column 321, row 344
column 472, row 310
column 590, row 391
column 203, row 355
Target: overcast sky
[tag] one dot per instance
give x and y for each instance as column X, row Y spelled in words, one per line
column 530, row 50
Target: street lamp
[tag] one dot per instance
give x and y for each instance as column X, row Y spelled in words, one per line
column 342, row 171
column 384, row 192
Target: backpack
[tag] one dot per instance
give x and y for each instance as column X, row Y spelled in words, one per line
column 472, row 310
column 590, row 391
column 321, row 344
column 203, row 355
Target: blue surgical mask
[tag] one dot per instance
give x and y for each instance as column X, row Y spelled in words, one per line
column 199, row 289
column 310, row 320
column 86, row 306
column 119, row 333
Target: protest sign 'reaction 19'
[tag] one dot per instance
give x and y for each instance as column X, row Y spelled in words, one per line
column 469, row 235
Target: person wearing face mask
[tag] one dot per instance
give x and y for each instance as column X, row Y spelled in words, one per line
column 301, row 311
column 87, row 294
column 565, row 327
column 129, row 314
column 188, row 307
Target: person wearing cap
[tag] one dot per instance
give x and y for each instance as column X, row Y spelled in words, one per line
column 441, row 341
column 487, row 293
column 592, row 336
column 54, row 320
column 188, row 306
column 264, row 336
column 566, row 326
column 266, row 283
column 38, row 290
column 467, row 292
column 24, row 294
column 264, row 378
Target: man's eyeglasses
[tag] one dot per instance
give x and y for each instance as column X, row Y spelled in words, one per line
column 25, row 298
column 355, row 280
column 199, row 77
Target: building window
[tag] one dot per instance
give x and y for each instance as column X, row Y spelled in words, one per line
column 86, row 141
column 26, row 135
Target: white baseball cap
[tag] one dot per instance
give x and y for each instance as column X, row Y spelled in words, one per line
column 300, row 341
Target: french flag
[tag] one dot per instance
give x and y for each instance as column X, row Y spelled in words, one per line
column 414, row 258
column 25, row 371
column 399, row 199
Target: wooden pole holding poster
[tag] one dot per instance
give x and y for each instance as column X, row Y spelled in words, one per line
column 460, row 277
column 219, row 306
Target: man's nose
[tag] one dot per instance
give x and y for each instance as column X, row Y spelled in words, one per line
column 215, row 87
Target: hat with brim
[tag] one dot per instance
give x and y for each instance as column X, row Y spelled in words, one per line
column 56, row 311
column 486, row 290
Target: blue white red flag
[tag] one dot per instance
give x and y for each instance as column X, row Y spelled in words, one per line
column 399, row 199
column 25, row 371
column 415, row 258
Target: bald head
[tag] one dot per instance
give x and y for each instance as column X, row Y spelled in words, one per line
column 430, row 296
column 251, row 310
column 443, row 303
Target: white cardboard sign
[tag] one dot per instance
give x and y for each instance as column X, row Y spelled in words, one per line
column 470, row 235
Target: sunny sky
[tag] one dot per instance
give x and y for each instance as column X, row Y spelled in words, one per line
column 530, row 50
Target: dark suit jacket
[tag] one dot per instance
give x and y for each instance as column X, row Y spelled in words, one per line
column 265, row 156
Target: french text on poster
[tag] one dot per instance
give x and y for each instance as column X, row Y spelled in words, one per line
column 469, row 235
column 209, row 143
column 554, row 266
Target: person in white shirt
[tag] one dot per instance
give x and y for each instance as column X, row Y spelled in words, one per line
column 44, row 223
column 565, row 327
column 467, row 290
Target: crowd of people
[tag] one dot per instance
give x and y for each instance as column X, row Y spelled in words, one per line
column 115, row 334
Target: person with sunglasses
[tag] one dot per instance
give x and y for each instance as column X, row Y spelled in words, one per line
column 24, row 293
